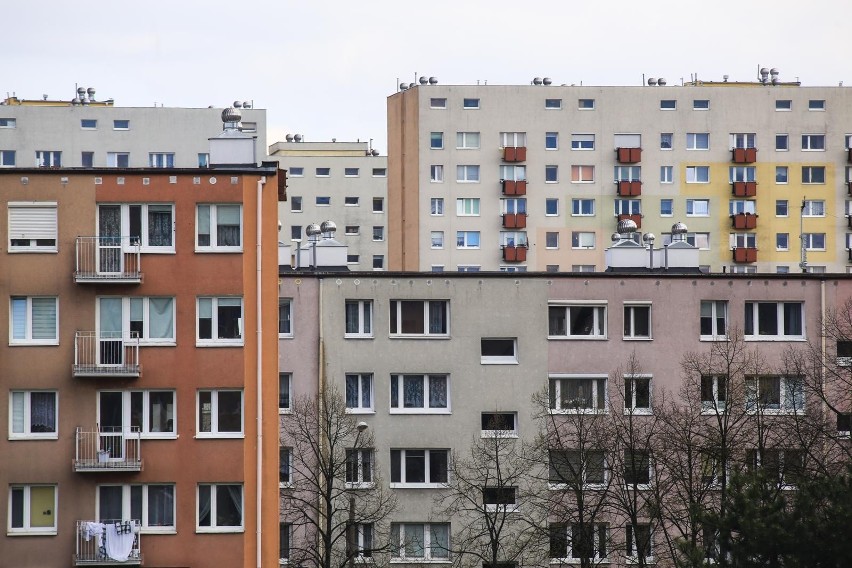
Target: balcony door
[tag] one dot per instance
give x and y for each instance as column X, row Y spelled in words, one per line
column 110, row 257
column 111, row 420
column 110, row 341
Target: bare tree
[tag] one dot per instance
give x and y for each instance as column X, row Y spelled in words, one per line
column 336, row 503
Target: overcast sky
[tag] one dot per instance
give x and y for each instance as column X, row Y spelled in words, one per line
column 325, row 68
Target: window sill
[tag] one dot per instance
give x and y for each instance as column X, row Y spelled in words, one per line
column 418, row 485
column 284, row 411
column 219, row 530
column 217, row 344
column 360, row 485
column 33, row 437
column 285, row 336
column 420, row 561
column 585, row 486
column 225, row 436
column 497, row 434
column 578, row 411
column 33, row 343
column 419, row 411
column 638, row 338
column 595, row 561
column 638, row 412
column 358, row 336
column 577, row 337
column 773, row 338
column 158, row 530
column 228, row 250
column 421, row 336
column 285, row 485
column 158, row 436
column 488, row 361
column 33, row 251
column 26, row 532
column 714, row 338
column 360, row 411
column 157, row 343
column 148, row 250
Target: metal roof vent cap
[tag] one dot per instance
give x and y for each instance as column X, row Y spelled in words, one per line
column 679, row 229
column 231, row 114
column 626, row 226
column 328, row 227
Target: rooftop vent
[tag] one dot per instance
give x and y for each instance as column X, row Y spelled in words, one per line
column 547, row 81
column 433, row 80
column 537, row 81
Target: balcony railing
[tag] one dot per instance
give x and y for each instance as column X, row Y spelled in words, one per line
column 108, row 542
column 108, row 260
column 744, row 221
column 628, row 155
column 744, row 155
column 512, row 187
column 631, row 188
column 636, row 218
column 514, row 220
column 108, row 449
column 106, row 354
column 745, row 254
column 745, row 188
column 514, row 154
column 512, row 253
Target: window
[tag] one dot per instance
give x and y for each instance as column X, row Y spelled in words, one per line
column 220, row 414
column 637, row 467
column 697, row 174
column 351, row 201
column 738, row 206
column 149, row 412
column 513, row 238
column 637, row 394
column 351, row 172
column 698, row 141
column 551, row 207
column 32, row 226
column 781, row 174
column 582, row 240
column 514, row 205
column 714, row 319
column 844, row 424
column 118, row 159
column 782, row 104
column 161, row 160
column 698, row 240
column 577, row 321
column 359, row 467
column 586, row 104
column 511, row 172
column 814, row 241
column 364, row 540
column 437, row 103
column 467, row 140
column 697, row 207
column 48, row 159
column 666, row 141
column 295, row 232
column 785, row 467
column 782, row 241
column 220, row 507
column 152, row 504
column 637, row 322
column 380, row 172
column 32, row 414
column 782, row 142
column 296, row 171
column 420, row 541
column 639, row 542
column 285, row 317
column 582, row 207
column 419, row 317
column 551, row 140
column 323, row 201
column 577, row 393
column 582, row 141
column 668, row 104
column 781, row 208
column 437, row 239
column 359, row 392
column 628, row 207
column 582, row 174
column 284, row 532
column 203, row 160
column 813, row 142
column 700, row 104
column 32, row 509
column 8, row 122
column 351, row 230
column 378, row 233
column 296, row 204
column 285, row 388
column 228, row 222
column 419, row 394
column 816, row 104
column 553, row 104
column 33, row 320
column 503, row 350
column 378, row 261
column 742, row 173
column 467, row 207
column 499, row 424
column 666, row 174
column 436, row 206
column 779, row 393
column 467, row 174
column 151, row 225
column 573, row 543
column 628, row 140
column 7, row 158
column 743, row 240
column 470, row 103
column 847, row 142
column 467, row 239
column 714, row 389
column 551, row 268
column 323, row 172
column 768, row 320
column 88, row 124
column 628, row 173
column 420, row 468
column 352, row 259
column 813, row 208
column 436, row 140
column 551, row 174
column 436, row 173
column 666, row 207
column 576, row 467
column 121, row 125
column 467, row 268
column 220, row 321
column 503, row 499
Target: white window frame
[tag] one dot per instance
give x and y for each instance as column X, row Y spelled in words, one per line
column 599, row 317
column 7, row 158
column 696, row 174
column 145, row 432
column 468, row 141
column 351, row 172
column 583, row 458
column 551, row 240
column 144, row 230
column 580, row 240
column 285, row 308
column 814, row 241
column 791, row 395
column 513, row 172
column 25, row 396
column 666, row 141
column 715, row 307
column 214, row 223
column 586, row 104
column 666, row 174
column 463, row 238
column 553, row 104
column 715, row 404
column 27, row 510
column 28, row 322
column 126, row 497
column 809, row 141
column 161, row 159
column 398, row 553
column 397, row 306
column 782, row 241
column 366, row 393
column 631, row 334
column 397, row 380
column 551, row 140
column 702, row 209
column 113, row 159
column 467, row 173
column 436, row 173
column 582, row 142
column 782, row 142
column 285, row 457
column 438, row 102
column 33, row 221
column 600, row 531
column 436, row 239
column 502, row 432
column 427, row 452
column 501, row 507
column 751, row 314
column 467, row 207
column 436, row 206
column 817, row 105
column 630, row 405
column 694, row 141
column 633, row 557
column 214, row 415
column 582, row 173
column 470, row 103
column 48, row 158
column 215, row 341
column 813, row 208
column 378, row 233
column 598, row 406
column 296, row 204
column 810, row 175
column 364, row 316
column 296, row 171
column 500, row 359
column 555, row 201
column 286, row 379
column 358, row 481
column 436, row 140
column 126, row 315
column 213, row 527
column 669, row 210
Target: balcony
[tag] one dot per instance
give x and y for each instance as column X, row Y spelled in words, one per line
column 512, row 253
column 108, row 260
column 107, row 449
column 744, row 221
column 745, row 188
column 514, row 220
column 512, row 187
column 108, row 542
column 744, row 155
column 514, row 154
column 630, row 188
column 745, row 254
column 106, row 354
column 628, row 155
column 636, row 218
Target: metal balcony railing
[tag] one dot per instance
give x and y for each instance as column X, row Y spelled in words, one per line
column 108, row 449
column 108, row 542
column 106, row 354
column 108, row 260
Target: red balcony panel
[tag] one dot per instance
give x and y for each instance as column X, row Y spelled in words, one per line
column 515, row 220
column 635, row 218
column 628, row 155
column 745, row 188
column 744, row 155
column 629, row 188
column 744, row 220
column 511, row 187
column 745, row 254
column 515, row 153
column 515, row 254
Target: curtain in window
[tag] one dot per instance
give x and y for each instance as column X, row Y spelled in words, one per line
column 414, row 541
column 228, row 225
column 440, row 540
column 42, row 412
column 229, row 505
column 161, row 411
column 437, row 391
column 229, row 314
column 351, row 317
column 161, row 321
column 203, row 225
column 204, row 503
column 18, row 412
column 351, row 391
column 437, row 319
column 792, row 318
column 412, row 391
column 159, row 225
column 110, row 499
column 577, row 393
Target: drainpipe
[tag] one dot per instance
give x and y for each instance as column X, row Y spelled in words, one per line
column 259, row 315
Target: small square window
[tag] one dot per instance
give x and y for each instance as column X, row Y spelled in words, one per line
column 782, row 241
column 781, row 208
column 352, row 230
column 380, row 172
column 87, row 159
column 296, row 172
column 121, row 125
column 438, row 103
column 378, row 262
column 783, row 104
column 782, row 142
column 668, row 104
column 551, row 174
column 499, row 350
column 586, row 104
column 88, row 124
column 471, row 103
column 295, row 232
column 378, row 233
column 666, row 208
column 551, row 140
column 551, row 240
column 378, row 205
column 323, row 201
column 323, row 172
column 781, row 174
column 352, row 259
column 436, row 140
column 350, row 172
column 701, row 104
column 816, row 104
column 666, row 140
column 553, row 104
column 436, row 173
column 351, row 201
column 551, row 206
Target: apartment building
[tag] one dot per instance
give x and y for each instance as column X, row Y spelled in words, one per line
column 87, row 133
column 535, row 177
column 141, row 362
column 344, row 182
